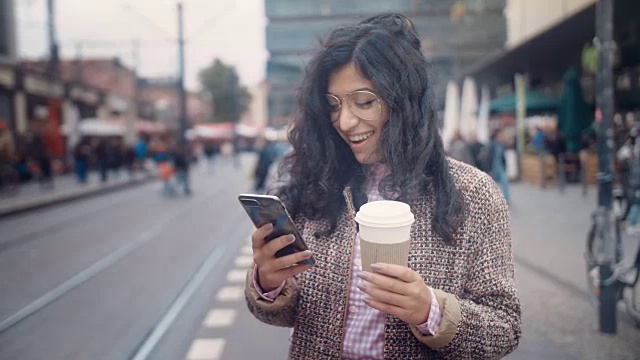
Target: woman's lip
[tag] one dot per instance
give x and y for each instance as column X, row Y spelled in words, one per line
column 359, row 145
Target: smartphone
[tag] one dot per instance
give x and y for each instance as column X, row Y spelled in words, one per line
column 263, row 209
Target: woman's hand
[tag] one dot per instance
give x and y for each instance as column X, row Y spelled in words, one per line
column 273, row 271
column 397, row 290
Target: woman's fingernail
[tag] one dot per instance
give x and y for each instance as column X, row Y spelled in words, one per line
column 307, row 253
column 291, row 238
column 376, row 267
column 362, row 287
column 362, row 275
column 268, row 226
column 366, row 300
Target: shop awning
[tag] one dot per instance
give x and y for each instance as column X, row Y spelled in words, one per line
column 536, row 103
column 223, row 131
column 101, row 127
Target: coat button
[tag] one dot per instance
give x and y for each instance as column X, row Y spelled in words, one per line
column 357, row 262
column 353, row 309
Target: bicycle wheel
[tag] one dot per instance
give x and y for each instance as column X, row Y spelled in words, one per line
column 633, row 304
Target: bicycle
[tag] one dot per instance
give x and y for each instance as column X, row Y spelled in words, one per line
column 625, row 276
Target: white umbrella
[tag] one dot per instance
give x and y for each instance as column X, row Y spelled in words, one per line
column 469, row 109
column 483, row 116
column 451, row 113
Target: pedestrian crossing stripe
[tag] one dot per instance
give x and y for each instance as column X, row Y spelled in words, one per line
column 206, row 349
column 220, row 318
column 230, row 293
column 243, row 261
column 246, row 250
column 236, row 276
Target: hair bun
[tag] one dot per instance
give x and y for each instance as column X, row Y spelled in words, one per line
column 399, row 25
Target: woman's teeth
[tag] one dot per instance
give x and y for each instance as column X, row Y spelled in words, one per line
column 362, row 137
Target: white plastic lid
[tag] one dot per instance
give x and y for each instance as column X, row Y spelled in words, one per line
column 385, row 213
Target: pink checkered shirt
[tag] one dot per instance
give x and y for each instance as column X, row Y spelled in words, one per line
column 364, row 332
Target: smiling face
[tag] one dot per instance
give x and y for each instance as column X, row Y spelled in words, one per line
column 362, row 135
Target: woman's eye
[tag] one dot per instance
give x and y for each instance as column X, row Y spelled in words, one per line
column 364, row 105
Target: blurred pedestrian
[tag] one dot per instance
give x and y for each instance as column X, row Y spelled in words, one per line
column 115, row 156
column 129, row 160
column 82, row 157
column 140, row 150
column 101, row 148
column 181, row 167
column 459, row 149
column 40, row 153
column 538, row 139
column 477, row 149
column 267, row 156
column 211, row 151
column 366, row 129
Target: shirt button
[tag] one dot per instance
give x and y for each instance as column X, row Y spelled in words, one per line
column 357, row 262
column 353, row 309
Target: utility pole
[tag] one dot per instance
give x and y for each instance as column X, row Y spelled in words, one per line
column 604, row 116
column 54, row 59
column 182, row 95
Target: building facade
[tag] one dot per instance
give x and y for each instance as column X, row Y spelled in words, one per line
column 158, row 100
column 7, row 31
column 528, row 18
column 7, row 58
column 454, row 35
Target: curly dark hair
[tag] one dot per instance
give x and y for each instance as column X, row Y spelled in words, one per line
column 386, row 50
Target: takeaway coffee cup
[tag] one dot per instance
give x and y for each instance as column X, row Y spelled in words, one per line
column 385, row 228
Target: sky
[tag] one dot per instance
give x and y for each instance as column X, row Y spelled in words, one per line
column 232, row 30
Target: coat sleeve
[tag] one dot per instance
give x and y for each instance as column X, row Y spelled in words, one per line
column 483, row 322
column 281, row 312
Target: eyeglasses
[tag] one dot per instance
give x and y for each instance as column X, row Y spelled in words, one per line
column 362, row 103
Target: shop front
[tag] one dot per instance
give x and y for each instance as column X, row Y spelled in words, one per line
column 44, row 104
column 560, row 64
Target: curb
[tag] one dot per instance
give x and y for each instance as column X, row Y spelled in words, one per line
column 54, row 199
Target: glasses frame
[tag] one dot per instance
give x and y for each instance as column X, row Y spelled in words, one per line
column 345, row 98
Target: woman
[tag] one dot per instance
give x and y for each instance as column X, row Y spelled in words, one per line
column 366, row 129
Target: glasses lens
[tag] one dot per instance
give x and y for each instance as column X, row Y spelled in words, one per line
column 334, row 106
column 364, row 105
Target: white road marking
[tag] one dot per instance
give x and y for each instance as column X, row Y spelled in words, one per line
column 179, row 304
column 231, row 293
column 246, row 250
column 236, row 276
column 244, row 261
column 206, row 349
column 220, row 318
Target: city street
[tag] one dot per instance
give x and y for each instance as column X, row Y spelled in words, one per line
column 132, row 273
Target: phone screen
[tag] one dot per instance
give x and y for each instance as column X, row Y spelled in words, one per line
column 263, row 209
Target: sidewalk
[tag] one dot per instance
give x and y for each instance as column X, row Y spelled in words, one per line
column 549, row 231
column 66, row 188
